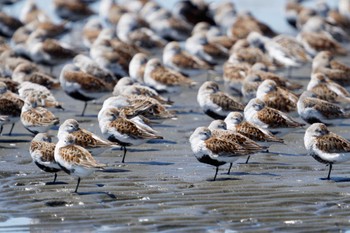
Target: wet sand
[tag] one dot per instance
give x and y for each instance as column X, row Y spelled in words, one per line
column 162, row 187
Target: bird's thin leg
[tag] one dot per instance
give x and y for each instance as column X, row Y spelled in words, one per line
column 76, row 188
column 13, row 125
column 124, row 148
column 247, row 159
column 216, row 173
column 229, row 170
column 54, row 179
column 85, row 104
column 329, row 172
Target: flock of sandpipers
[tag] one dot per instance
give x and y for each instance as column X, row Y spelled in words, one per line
column 117, row 53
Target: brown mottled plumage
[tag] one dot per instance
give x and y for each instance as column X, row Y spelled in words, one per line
column 319, row 42
column 226, row 102
column 272, row 118
column 77, row 155
column 251, row 131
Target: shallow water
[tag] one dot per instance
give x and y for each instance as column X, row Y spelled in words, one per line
column 162, row 187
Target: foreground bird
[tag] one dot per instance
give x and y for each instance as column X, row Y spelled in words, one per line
column 276, row 97
column 215, row 103
column 181, row 61
column 37, row 119
column 326, row 89
column 10, row 106
column 90, row 141
column 234, row 121
column 314, row 110
column 42, row 152
column 219, row 129
column 333, row 69
column 214, row 151
column 326, row 147
column 82, row 86
column 258, row 113
column 126, row 86
column 163, row 79
column 75, row 160
column 125, row 132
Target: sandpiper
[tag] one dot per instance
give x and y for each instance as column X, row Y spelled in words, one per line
column 75, row 160
column 325, row 146
column 258, row 113
column 125, row 132
column 82, row 86
column 214, row 151
column 215, row 103
column 90, row 141
column 42, row 151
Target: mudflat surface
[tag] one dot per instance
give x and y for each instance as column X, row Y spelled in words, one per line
column 162, row 187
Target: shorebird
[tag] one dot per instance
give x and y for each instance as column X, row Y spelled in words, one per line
column 214, row 151
column 91, row 30
column 218, row 129
column 42, row 151
column 87, row 65
column 175, row 58
column 215, row 103
column 235, row 73
column 325, row 146
column 147, row 108
column 112, row 54
column 198, row 45
column 10, row 107
column 133, row 30
column 137, row 67
column 163, row 79
column 328, row 90
column 286, row 50
column 315, row 42
column 110, row 12
column 336, row 71
column 163, row 23
column 276, row 97
column 235, row 122
column 126, row 86
column 47, row 51
column 279, row 80
column 246, row 23
column 90, row 141
column 214, row 35
column 29, row 72
column 75, row 160
column 43, row 96
column 224, row 13
column 125, row 132
column 73, row 10
column 258, row 113
column 319, row 24
column 37, row 119
column 8, row 24
column 255, row 76
column 242, row 52
column 82, row 86
column 314, row 110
